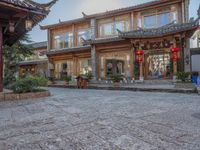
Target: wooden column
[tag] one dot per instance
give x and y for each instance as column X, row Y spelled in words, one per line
column 94, row 62
column 174, row 62
column 141, row 72
column 132, row 62
column 1, row 59
column 141, row 68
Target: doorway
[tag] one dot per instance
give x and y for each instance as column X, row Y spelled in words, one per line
column 158, row 66
column 114, row 67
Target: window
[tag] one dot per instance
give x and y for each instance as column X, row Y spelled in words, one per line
column 158, row 20
column 85, row 34
column 163, row 19
column 85, row 66
column 150, row 21
column 64, row 40
column 106, row 29
column 121, row 25
column 198, row 40
column 111, row 28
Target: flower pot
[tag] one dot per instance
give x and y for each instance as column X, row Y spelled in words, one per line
column 50, row 82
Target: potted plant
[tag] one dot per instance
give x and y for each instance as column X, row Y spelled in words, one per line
column 116, row 79
column 66, row 79
column 184, row 80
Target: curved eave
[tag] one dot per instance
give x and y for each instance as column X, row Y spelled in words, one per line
column 103, row 40
column 167, row 30
column 68, row 50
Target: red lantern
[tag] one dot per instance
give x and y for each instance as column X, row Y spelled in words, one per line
column 139, row 54
column 175, row 50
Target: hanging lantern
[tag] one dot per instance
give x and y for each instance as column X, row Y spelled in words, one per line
column 139, row 54
column 11, row 26
column 28, row 24
column 175, row 51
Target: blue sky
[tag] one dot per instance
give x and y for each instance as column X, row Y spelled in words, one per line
column 71, row 9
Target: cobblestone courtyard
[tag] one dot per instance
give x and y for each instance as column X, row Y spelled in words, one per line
column 102, row 120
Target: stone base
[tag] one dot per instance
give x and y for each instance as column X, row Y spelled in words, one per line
column 174, row 78
column 141, row 79
column 184, row 85
column 22, row 96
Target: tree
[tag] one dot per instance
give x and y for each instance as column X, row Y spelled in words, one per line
column 13, row 55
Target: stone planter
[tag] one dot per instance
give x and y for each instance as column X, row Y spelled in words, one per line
column 184, row 85
column 22, row 96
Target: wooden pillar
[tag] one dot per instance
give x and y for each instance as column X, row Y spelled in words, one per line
column 132, row 62
column 174, row 62
column 132, row 21
column 141, row 72
column 74, row 35
column 94, row 62
column 141, row 68
column 1, row 59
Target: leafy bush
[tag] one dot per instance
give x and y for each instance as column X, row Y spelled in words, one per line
column 183, row 76
column 29, row 84
column 89, row 75
column 116, row 78
column 136, row 69
column 51, row 79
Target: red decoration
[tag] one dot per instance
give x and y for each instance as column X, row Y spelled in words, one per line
column 175, row 51
column 139, row 54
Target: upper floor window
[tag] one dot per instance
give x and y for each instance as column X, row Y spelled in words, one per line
column 121, row 25
column 106, row 29
column 85, row 34
column 158, row 20
column 198, row 41
column 64, row 40
column 111, row 28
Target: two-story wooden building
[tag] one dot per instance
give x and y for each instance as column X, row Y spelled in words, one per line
column 107, row 43
column 36, row 64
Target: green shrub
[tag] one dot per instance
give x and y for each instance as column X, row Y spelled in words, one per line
column 29, row 84
column 66, row 78
column 183, row 76
column 51, row 79
column 89, row 75
column 116, row 78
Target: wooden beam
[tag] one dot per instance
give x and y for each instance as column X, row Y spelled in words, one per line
column 1, row 59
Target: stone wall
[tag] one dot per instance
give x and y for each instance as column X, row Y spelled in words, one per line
column 13, row 96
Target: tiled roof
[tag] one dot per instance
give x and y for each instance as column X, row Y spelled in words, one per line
column 161, row 31
column 131, row 8
column 110, row 13
column 32, row 62
column 29, row 4
column 67, row 50
column 103, row 40
column 39, row 45
column 37, row 12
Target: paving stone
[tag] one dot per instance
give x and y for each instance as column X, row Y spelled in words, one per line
column 101, row 120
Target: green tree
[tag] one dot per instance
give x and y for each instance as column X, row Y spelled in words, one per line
column 13, row 55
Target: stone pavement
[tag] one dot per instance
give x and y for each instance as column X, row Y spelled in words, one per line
column 101, row 120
